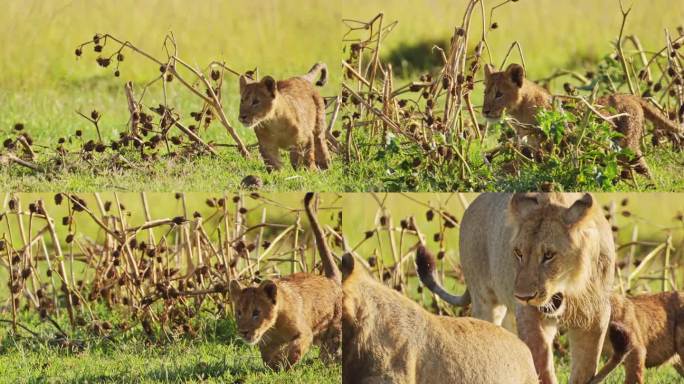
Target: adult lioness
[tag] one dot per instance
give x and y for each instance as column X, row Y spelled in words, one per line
column 548, row 257
column 287, row 114
column 511, row 91
column 390, row 339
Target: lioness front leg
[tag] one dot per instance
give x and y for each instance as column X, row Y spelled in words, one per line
column 585, row 352
column 538, row 333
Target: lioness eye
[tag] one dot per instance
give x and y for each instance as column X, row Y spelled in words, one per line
column 255, row 314
column 255, row 101
column 498, row 95
column 548, row 256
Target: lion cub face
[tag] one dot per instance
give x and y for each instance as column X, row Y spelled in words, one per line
column 256, row 99
column 547, row 242
column 255, row 309
column 502, row 90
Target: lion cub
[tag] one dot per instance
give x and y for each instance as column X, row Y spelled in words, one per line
column 509, row 90
column 287, row 114
column 388, row 338
column 645, row 331
column 285, row 316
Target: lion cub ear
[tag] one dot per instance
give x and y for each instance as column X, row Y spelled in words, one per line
column 488, row 70
column 516, row 73
column 579, row 211
column 270, row 289
column 235, row 288
column 270, row 84
column 522, row 204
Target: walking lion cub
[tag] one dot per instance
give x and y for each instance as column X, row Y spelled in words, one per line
column 511, row 91
column 645, row 331
column 285, row 316
column 287, row 114
column 388, row 338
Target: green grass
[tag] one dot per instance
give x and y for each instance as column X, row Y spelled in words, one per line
column 42, row 84
column 214, row 356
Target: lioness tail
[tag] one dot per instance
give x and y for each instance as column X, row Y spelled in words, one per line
column 329, row 267
column 425, row 266
column 313, row 74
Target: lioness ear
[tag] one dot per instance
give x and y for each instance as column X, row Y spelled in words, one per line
column 488, row 70
column 516, row 73
column 522, row 204
column 235, row 288
column 270, row 289
column 579, row 210
column 347, row 266
column 270, row 84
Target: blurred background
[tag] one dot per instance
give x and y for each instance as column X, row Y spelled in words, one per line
column 377, row 226
column 553, row 34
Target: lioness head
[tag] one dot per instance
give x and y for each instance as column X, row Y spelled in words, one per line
column 554, row 247
column 502, row 90
column 255, row 309
column 256, row 99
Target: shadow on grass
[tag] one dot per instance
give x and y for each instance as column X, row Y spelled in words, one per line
column 418, row 57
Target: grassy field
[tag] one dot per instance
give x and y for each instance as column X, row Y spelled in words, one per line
column 42, row 83
column 215, row 356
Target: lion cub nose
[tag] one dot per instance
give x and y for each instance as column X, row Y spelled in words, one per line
column 525, row 297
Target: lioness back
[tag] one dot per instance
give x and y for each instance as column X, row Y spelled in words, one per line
column 496, row 348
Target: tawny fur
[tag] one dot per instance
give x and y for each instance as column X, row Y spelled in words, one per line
column 287, row 114
column 518, row 251
column 389, row 339
column 645, row 331
column 510, row 91
column 294, row 312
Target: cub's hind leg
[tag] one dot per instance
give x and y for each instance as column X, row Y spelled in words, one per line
column 632, row 128
column 320, row 142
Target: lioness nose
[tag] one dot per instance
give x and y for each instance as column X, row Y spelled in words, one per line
column 525, row 297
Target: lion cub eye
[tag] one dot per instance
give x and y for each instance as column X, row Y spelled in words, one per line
column 548, row 256
column 498, row 95
column 255, row 314
column 255, row 101
column 518, row 254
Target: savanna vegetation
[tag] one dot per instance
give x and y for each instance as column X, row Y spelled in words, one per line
column 133, row 287
column 384, row 230
column 392, row 121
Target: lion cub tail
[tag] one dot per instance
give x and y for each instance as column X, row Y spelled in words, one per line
column 313, row 74
column 658, row 119
column 329, row 267
column 425, row 266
